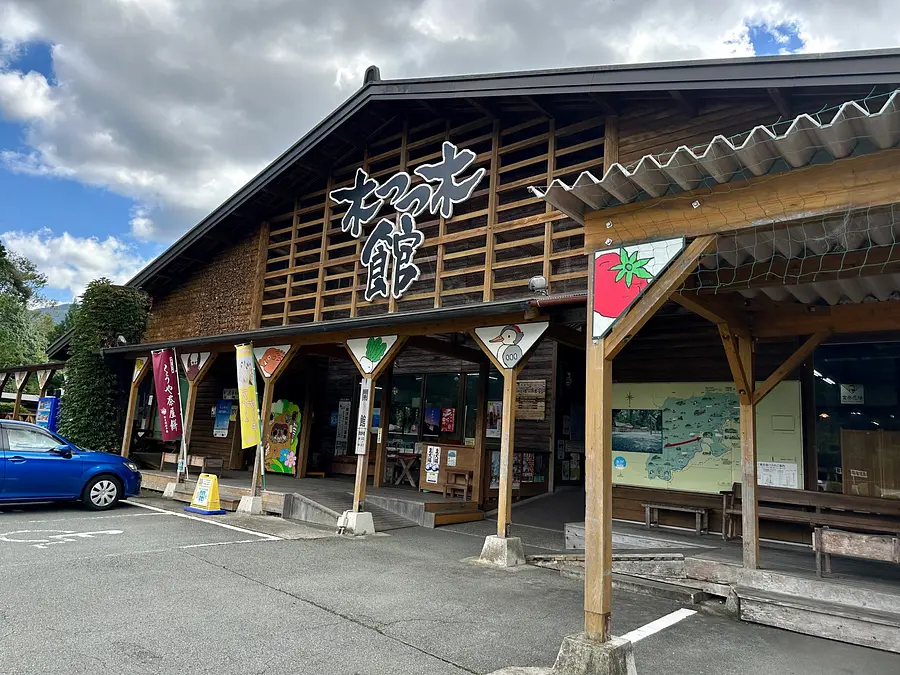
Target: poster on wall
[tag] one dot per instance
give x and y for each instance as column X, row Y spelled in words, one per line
column 269, row 358
column 432, row 463
column 494, row 418
column 622, row 274
column 283, row 433
column 528, row 467
column 510, row 343
column 531, row 399
column 343, row 427
column 495, row 469
column 777, row 474
column 432, row 421
column 223, row 418
column 448, row 420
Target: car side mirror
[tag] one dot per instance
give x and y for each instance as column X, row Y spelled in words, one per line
column 63, row 451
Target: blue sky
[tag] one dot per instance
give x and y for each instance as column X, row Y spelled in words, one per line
column 35, row 210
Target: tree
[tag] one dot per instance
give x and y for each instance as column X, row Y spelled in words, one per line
column 64, row 326
column 19, row 278
column 20, row 337
column 92, row 400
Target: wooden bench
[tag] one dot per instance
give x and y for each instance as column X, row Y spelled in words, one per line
column 652, row 509
column 828, row 542
column 817, row 509
column 452, row 484
column 204, row 462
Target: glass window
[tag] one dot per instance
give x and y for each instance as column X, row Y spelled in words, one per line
column 442, row 407
column 30, row 440
column 857, row 395
column 404, row 420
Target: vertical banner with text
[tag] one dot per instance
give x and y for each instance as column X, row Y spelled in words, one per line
column 362, row 426
column 249, row 405
column 168, row 394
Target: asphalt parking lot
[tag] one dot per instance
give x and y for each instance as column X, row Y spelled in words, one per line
column 145, row 590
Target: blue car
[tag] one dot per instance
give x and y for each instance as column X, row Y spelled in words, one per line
column 39, row 466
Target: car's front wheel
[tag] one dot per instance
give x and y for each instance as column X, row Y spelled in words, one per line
column 102, row 493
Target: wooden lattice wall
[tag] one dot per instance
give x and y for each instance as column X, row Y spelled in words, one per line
column 494, row 243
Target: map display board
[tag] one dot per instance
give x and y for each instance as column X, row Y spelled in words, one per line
column 686, row 436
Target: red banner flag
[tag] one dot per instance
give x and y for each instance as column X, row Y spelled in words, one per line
column 168, row 395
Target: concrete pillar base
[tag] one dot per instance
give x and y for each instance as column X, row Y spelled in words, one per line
column 502, row 551
column 250, row 505
column 581, row 655
column 169, row 492
column 356, row 523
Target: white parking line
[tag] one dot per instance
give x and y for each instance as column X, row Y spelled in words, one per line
column 655, row 626
column 261, row 535
column 228, row 543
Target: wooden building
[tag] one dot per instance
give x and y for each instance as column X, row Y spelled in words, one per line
column 778, row 171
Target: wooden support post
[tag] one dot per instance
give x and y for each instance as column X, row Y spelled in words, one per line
column 507, row 439
column 4, row 378
column 43, row 380
column 141, row 368
column 381, row 448
column 364, row 423
column 791, row 364
column 21, row 377
column 598, row 485
column 305, row 426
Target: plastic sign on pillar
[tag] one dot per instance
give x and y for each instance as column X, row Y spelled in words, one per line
column 622, row 274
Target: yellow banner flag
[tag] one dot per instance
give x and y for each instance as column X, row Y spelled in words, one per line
column 249, row 407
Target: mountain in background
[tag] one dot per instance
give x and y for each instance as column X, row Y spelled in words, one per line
column 56, row 313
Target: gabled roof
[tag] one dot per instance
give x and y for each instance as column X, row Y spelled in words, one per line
column 881, row 67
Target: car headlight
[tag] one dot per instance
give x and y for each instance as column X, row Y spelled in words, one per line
column 131, row 465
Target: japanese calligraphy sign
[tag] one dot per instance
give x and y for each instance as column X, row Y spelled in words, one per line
column 510, row 343
column 369, row 352
column 362, row 423
column 269, row 358
column 389, row 251
column 193, row 363
column 622, row 274
column 249, row 405
column 168, row 395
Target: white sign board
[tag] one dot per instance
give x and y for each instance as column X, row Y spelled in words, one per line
column 853, row 394
column 622, row 274
column 432, row 463
column 510, row 343
column 362, row 424
column 777, row 474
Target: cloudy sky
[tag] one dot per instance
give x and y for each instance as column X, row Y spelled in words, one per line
column 123, row 122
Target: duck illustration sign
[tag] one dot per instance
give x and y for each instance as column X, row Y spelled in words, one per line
column 369, row 352
column 510, row 343
column 622, row 274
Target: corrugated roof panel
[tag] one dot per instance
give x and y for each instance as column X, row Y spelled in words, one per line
column 722, row 159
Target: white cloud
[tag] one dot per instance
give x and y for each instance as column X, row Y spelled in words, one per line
column 177, row 104
column 71, row 262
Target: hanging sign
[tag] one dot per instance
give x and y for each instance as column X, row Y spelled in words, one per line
column 249, row 406
column 193, row 363
column 853, row 394
column 269, row 358
column 622, row 274
column 362, row 425
column 397, row 240
column 510, row 343
column 369, row 352
column 168, row 396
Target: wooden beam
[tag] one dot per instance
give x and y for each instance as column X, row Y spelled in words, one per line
column 684, row 102
column 566, row 336
column 809, row 192
column 605, row 103
column 136, row 380
column 21, row 377
column 262, row 254
column 742, row 379
column 363, row 426
column 610, row 141
column 448, row 349
column 781, row 101
column 790, row 320
column 494, row 183
column 749, row 489
column 656, row 295
column 715, row 310
column 482, row 108
column 537, row 106
column 791, row 364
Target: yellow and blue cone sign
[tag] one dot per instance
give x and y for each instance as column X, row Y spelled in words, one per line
column 206, row 496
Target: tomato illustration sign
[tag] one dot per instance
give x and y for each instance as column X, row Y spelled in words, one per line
column 622, row 274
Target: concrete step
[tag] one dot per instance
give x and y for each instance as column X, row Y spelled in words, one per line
column 874, row 628
column 659, row 589
column 453, row 516
column 308, row 510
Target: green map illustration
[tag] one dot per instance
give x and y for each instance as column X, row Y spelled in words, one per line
column 707, row 425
